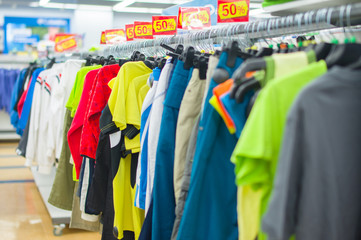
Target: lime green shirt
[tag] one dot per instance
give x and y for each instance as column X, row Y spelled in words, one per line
column 256, row 153
column 75, row 95
column 267, row 3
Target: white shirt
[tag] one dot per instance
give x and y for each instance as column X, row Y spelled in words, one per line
column 147, row 103
column 59, row 97
column 34, row 118
column 155, row 117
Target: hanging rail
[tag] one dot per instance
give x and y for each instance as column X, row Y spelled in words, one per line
column 315, row 20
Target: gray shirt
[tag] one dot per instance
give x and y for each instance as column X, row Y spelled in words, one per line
column 317, row 193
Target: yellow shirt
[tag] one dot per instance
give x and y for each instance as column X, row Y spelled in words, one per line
column 120, row 86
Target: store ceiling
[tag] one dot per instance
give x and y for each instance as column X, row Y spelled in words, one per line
column 151, row 6
column 107, row 3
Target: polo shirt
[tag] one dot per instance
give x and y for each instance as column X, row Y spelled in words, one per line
column 256, row 153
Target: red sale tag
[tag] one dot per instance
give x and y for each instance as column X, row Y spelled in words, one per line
column 61, row 36
column 129, row 30
column 102, row 38
column 143, row 30
column 66, row 44
column 113, row 36
column 194, row 17
column 164, row 25
column 233, row 11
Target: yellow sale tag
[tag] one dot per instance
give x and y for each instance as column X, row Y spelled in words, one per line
column 143, row 30
column 234, row 9
column 164, row 25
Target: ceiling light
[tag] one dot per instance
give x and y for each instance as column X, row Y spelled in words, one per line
column 121, row 5
column 163, row 2
column 43, row 2
column 140, row 10
column 85, row 7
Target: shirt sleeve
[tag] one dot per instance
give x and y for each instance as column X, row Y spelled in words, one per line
column 34, row 119
column 253, row 151
column 280, row 220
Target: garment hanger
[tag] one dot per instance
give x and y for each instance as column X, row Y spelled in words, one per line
column 343, row 54
column 245, row 87
column 188, row 57
column 202, row 64
column 50, row 64
column 251, row 102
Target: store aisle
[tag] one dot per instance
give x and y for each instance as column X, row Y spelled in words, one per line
column 23, row 214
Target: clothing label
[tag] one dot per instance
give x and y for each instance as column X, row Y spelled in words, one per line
column 233, row 11
column 102, row 38
column 164, row 25
column 113, row 36
column 129, row 29
column 194, row 18
column 143, row 30
column 66, row 44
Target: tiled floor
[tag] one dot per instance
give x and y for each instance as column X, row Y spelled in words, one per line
column 23, row 214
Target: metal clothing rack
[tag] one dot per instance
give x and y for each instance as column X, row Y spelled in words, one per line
column 315, row 20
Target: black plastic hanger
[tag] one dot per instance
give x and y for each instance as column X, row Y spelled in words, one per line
column 264, row 52
column 251, row 102
column 50, row 64
column 356, row 65
column 322, row 50
column 188, row 57
column 88, row 60
column 245, row 87
column 250, row 65
column 344, row 54
column 202, row 64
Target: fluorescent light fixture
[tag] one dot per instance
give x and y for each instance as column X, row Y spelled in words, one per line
column 70, row 6
column 163, row 2
column 139, row 10
column 124, row 4
column 43, row 2
column 87, row 7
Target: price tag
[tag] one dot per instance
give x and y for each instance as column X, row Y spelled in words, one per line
column 102, row 38
column 233, row 11
column 194, row 17
column 113, row 36
column 61, row 36
column 66, row 44
column 129, row 29
column 143, row 30
column 164, row 25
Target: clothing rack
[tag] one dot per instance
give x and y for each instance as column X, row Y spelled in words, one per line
column 315, row 20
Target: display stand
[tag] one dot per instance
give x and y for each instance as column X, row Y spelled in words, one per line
column 59, row 217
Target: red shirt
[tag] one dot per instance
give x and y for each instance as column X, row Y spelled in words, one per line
column 23, row 97
column 76, row 127
column 100, row 95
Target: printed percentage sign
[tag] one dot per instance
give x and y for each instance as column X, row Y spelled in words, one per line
column 241, row 10
column 171, row 25
column 202, row 17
